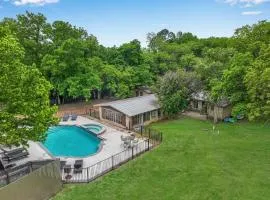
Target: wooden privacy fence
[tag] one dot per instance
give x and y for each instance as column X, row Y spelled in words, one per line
column 10, row 175
column 89, row 174
column 79, row 111
column 39, row 184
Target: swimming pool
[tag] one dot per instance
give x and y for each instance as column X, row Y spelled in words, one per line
column 71, row 141
column 95, row 128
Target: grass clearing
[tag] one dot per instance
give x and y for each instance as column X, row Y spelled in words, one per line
column 193, row 162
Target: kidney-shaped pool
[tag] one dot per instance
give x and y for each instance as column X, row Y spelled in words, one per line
column 71, row 141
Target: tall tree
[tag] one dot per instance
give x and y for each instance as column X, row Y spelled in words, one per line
column 33, row 36
column 71, row 72
column 257, row 81
column 61, row 31
column 174, row 90
column 24, row 96
column 131, row 53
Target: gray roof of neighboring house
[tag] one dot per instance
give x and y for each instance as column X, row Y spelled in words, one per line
column 200, row 96
column 204, row 96
column 145, row 89
column 136, row 105
column 223, row 103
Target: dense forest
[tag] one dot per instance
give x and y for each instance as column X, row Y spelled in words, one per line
column 77, row 66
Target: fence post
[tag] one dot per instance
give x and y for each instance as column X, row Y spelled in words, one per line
column 149, row 131
column 87, row 170
column 141, row 130
column 148, row 141
column 132, row 150
column 112, row 162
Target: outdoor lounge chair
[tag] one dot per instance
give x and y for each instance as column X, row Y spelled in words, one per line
column 124, row 138
column 67, row 169
column 65, row 118
column 74, row 117
column 62, row 164
column 78, row 166
column 5, row 166
column 17, row 156
column 127, row 144
column 13, row 151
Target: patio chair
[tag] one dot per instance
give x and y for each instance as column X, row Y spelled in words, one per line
column 65, row 118
column 135, row 141
column 125, row 138
column 132, row 136
column 78, row 166
column 11, row 157
column 78, row 163
column 79, row 170
column 74, row 117
column 127, row 144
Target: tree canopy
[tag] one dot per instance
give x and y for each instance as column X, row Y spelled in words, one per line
column 77, row 66
column 25, row 111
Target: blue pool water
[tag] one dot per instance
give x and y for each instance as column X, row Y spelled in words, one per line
column 71, row 141
column 95, row 128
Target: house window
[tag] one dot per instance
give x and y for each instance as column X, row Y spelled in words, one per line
column 154, row 114
column 146, row 116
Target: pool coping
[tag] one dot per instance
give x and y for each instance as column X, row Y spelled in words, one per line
column 73, row 157
column 103, row 129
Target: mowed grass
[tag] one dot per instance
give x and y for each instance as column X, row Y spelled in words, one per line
column 193, row 162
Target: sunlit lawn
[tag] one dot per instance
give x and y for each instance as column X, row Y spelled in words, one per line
column 193, row 162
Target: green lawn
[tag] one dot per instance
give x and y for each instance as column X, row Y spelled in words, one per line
column 193, row 162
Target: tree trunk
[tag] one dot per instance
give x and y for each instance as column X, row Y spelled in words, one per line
column 215, row 114
column 58, row 100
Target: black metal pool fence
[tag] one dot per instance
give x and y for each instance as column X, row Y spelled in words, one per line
column 151, row 139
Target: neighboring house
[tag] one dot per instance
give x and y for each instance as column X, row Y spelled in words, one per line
column 143, row 90
column 131, row 112
column 218, row 111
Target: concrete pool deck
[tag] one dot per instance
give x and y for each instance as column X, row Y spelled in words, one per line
column 111, row 145
column 111, row 155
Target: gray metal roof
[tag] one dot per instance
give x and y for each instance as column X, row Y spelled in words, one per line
column 200, row 96
column 204, row 96
column 136, row 105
